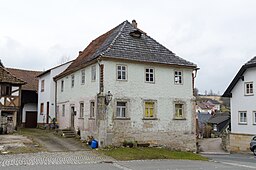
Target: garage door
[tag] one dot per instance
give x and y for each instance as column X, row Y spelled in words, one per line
column 31, row 119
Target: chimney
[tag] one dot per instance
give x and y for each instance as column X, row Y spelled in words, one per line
column 134, row 23
column 80, row 52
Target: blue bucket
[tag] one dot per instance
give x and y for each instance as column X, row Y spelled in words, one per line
column 94, row 144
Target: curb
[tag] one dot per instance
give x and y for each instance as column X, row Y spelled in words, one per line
column 215, row 153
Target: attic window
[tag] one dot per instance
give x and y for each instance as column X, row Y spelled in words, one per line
column 136, row 34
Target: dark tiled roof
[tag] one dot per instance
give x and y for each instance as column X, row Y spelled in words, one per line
column 28, row 76
column 118, row 43
column 7, row 77
column 219, row 117
column 239, row 75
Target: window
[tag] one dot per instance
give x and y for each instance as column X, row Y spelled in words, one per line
column 254, row 117
column 242, row 118
column 179, row 111
column 42, row 85
column 83, row 77
column 81, row 110
column 149, row 109
column 42, row 109
column 62, row 85
column 72, row 81
column 5, row 90
column 121, row 109
column 178, row 77
column 249, row 88
column 93, row 76
column 63, row 110
column 150, row 75
column 92, row 109
column 121, row 72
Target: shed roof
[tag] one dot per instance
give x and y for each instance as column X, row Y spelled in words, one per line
column 7, row 77
column 28, row 76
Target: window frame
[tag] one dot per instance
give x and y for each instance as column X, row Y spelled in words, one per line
column 250, row 93
column 154, row 110
column 239, row 118
column 82, row 76
column 254, row 117
column 41, row 108
column 93, row 73
column 63, row 110
column 179, row 76
column 125, row 71
column 92, row 109
column 81, row 110
column 72, row 81
column 62, row 85
column 149, row 73
column 42, row 85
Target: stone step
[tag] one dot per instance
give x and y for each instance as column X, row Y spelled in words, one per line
column 67, row 133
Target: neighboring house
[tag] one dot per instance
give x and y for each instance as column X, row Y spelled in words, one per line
column 216, row 105
column 125, row 86
column 220, row 122
column 203, row 107
column 10, row 99
column 27, row 116
column 46, row 94
column 202, row 119
column 242, row 105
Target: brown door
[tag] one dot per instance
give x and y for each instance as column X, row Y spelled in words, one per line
column 72, row 116
column 31, row 119
column 47, row 113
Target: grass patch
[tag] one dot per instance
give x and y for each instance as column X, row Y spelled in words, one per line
column 150, row 153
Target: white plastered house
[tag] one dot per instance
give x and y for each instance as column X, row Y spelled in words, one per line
column 242, row 96
column 125, row 86
column 46, row 94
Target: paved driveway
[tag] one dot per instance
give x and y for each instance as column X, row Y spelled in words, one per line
column 54, row 143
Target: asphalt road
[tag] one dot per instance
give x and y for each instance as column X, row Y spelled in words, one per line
column 144, row 165
column 239, row 160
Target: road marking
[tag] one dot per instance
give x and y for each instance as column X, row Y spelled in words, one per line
column 121, row 167
column 234, row 164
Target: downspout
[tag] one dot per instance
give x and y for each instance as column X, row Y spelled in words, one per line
column 55, row 100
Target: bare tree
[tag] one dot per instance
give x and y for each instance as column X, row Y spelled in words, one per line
column 64, row 59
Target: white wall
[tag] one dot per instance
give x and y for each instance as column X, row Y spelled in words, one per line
column 49, row 92
column 28, row 107
column 240, row 102
column 73, row 96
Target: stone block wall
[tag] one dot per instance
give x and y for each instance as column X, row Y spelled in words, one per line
column 240, row 142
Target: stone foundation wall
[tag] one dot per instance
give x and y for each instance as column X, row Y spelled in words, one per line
column 240, row 142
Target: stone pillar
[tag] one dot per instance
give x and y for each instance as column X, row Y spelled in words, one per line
column 101, row 119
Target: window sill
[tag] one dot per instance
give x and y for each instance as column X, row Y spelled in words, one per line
column 122, row 118
column 242, row 123
column 125, row 80
column 177, row 118
column 91, row 118
column 150, row 118
column 80, row 118
column 249, row 94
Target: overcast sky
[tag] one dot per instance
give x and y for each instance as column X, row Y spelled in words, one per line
column 217, row 35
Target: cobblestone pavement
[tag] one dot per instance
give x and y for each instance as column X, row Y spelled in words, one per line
column 53, row 158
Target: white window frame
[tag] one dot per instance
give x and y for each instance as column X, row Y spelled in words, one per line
column 93, row 73
column 150, row 75
column 62, row 85
column 72, row 80
column 248, row 91
column 42, row 85
column 178, row 77
column 254, row 117
column 83, row 77
column 242, row 117
column 121, row 70
column 81, row 114
column 119, row 109
column 92, row 109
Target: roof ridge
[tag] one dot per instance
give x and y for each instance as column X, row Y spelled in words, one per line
column 23, row 70
column 114, row 39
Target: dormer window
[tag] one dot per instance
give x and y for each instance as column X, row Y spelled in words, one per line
column 136, row 33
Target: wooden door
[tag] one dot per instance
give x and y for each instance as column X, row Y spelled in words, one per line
column 31, row 119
